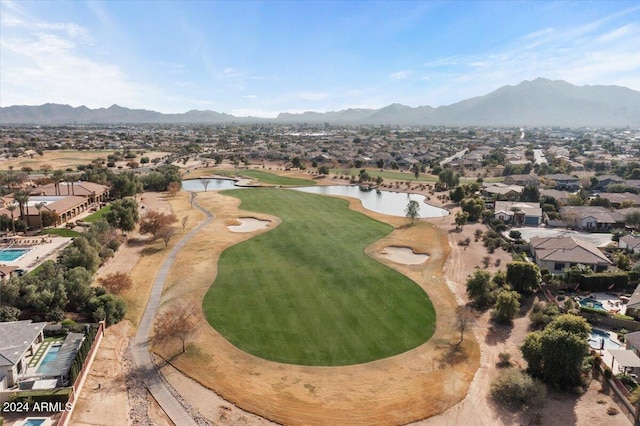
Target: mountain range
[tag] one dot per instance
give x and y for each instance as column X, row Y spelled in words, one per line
column 540, row 102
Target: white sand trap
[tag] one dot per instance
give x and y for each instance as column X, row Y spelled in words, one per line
column 249, row 224
column 404, row 255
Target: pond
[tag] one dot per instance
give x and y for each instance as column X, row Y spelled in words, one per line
column 216, row 184
column 385, row 202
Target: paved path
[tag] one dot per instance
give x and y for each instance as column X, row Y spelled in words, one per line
column 141, row 355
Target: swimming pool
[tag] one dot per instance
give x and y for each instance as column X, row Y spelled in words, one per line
column 34, row 421
column 12, row 254
column 598, row 336
column 51, row 354
column 588, row 302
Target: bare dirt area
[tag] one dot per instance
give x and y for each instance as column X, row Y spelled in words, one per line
column 103, row 400
column 478, row 408
column 388, row 391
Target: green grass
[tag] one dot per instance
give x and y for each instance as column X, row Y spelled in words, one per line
column 269, row 178
column 406, row 177
column 97, row 215
column 306, row 293
column 387, row 175
column 61, row 232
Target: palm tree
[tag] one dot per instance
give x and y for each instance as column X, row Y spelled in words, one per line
column 39, row 206
column 11, row 208
column 22, row 198
column 57, row 177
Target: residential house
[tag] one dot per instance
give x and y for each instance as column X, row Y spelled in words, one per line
column 558, row 253
column 630, row 242
column 518, row 213
column 18, row 340
column 563, row 182
column 522, row 180
column 588, row 218
column 606, row 180
column 501, row 191
column 632, row 340
column 617, row 199
column 633, row 310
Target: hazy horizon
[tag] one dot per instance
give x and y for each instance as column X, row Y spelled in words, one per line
column 263, row 58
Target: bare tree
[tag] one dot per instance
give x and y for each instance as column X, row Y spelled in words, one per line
column 173, row 188
column 205, row 183
column 166, row 234
column 177, row 322
column 116, row 282
column 184, row 222
column 464, row 319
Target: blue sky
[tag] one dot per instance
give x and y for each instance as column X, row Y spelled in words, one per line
column 262, row 58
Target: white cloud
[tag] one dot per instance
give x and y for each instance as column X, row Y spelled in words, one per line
column 401, row 75
column 250, row 96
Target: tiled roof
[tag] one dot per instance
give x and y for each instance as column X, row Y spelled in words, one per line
column 15, row 339
column 567, row 250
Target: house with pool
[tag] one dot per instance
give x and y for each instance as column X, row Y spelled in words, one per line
column 29, row 360
column 18, row 341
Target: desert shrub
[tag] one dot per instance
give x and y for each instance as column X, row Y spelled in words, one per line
column 517, row 390
column 504, row 359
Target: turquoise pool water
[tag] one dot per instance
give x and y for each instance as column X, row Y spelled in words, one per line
column 34, row 422
column 588, row 302
column 51, row 354
column 596, row 338
column 9, row 255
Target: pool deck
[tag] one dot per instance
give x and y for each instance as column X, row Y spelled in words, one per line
column 38, row 252
column 610, row 302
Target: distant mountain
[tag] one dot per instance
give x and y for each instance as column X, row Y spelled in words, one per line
column 540, row 102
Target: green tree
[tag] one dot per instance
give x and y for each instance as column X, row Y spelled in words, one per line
column 125, row 184
column 107, row 307
column 523, row 276
column 22, row 198
column 457, row 194
column 448, row 178
column 11, row 207
column 78, row 287
column 80, row 253
column 479, row 289
column 633, row 219
column 461, row 219
column 473, row 206
column 507, row 306
column 623, row 261
column 123, row 215
column 39, row 206
column 556, row 354
column 412, row 210
column 530, row 193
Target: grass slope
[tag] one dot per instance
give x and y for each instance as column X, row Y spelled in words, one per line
column 305, row 292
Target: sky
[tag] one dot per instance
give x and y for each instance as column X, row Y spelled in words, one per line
column 260, row 58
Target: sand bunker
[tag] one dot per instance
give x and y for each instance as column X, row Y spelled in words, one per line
column 249, row 224
column 404, row 255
